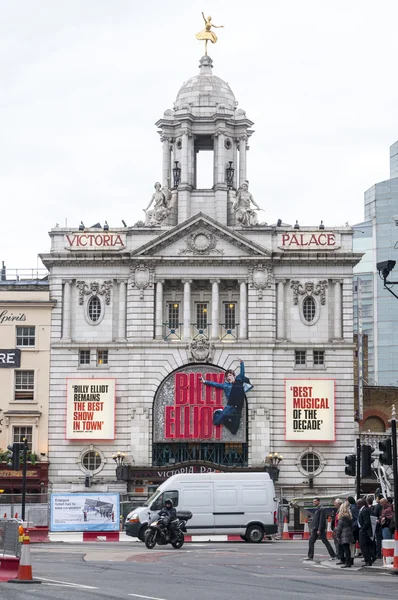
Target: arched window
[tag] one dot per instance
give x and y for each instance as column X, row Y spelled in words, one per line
column 94, row 309
column 374, row 424
column 309, row 309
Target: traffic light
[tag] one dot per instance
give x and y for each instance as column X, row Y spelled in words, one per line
column 14, row 459
column 351, row 462
column 385, row 457
column 366, row 460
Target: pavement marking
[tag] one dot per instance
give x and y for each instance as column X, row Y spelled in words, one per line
column 147, row 597
column 69, row 583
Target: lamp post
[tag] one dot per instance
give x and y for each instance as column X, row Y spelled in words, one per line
column 272, row 462
column 119, row 458
column 230, row 175
column 395, row 478
column 176, row 174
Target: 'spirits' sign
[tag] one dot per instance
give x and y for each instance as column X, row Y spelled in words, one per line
column 310, row 410
column 309, row 241
column 10, row 359
column 9, row 317
column 92, row 241
column 90, row 409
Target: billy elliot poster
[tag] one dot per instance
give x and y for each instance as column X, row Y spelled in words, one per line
column 310, row 410
column 90, row 413
column 184, row 408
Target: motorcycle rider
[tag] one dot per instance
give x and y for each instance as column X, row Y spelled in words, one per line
column 169, row 515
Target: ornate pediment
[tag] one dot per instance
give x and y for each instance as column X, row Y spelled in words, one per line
column 202, row 236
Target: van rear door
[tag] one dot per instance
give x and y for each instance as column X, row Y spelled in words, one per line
column 198, row 498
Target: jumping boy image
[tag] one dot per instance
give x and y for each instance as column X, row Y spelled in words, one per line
column 235, row 388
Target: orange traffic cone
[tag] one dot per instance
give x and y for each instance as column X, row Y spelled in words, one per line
column 306, row 535
column 5, row 516
column 16, row 516
column 285, row 533
column 25, row 564
column 329, row 532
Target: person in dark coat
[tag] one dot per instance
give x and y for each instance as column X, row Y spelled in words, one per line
column 355, row 527
column 335, row 522
column 365, row 532
column 385, row 518
column 378, row 534
column 344, row 535
column 318, row 531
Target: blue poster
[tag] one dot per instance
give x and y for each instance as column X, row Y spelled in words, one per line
column 84, row 512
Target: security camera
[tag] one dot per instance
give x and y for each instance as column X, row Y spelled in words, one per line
column 385, row 267
column 395, row 219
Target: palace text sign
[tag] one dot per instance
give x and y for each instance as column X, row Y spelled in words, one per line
column 309, row 241
column 310, row 410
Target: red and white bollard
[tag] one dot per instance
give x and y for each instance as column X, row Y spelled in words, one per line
column 395, row 564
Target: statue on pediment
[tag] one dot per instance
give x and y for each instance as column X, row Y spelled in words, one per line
column 244, row 213
column 161, row 201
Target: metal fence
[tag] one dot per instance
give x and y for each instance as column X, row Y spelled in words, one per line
column 9, row 537
column 36, row 515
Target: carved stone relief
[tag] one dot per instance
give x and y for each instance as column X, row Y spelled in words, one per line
column 201, row 242
column 200, row 349
column 309, row 289
column 94, row 289
column 261, row 278
column 143, row 277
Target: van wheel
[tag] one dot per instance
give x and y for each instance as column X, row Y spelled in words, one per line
column 255, row 534
column 141, row 533
column 244, row 538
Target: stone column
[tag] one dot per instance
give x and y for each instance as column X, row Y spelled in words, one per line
column 242, row 159
column 187, row 308
column 280, row 325
column 159, row 310
column 215, row 158
column 338, row 317
column 166, row 162
column 221, row 159
column 122, row 310
column 243, row 309
column 235, row 165
column 66, row 311
column 184, row 158
column 215, row 311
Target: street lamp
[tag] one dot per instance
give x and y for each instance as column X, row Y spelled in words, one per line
column 119, row 458
column 272, row 462
column 176, row 174
column 230, row 175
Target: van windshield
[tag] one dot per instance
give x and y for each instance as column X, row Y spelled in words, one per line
column 152, row 498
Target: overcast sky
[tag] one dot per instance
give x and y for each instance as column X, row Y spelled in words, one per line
column 83, row 82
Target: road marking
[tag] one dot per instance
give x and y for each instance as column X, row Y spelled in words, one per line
column 147, row 597
column 68, row 583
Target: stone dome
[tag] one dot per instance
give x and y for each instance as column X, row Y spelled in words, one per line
column 205, row 90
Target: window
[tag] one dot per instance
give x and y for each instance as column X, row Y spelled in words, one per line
column 299, row 357
column 230, row 315
column 174, row 315
column 94, row 309
column 319, row 357
column 84, row 357
column 22, row 432
column 310, row 462
column 159, row 502
column 309, row 309
column 25, row 336
column 24, row 385
column 201, row 315
column 102, row 357
column 91, row 461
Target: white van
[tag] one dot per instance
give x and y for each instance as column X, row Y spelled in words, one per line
column 229, row 503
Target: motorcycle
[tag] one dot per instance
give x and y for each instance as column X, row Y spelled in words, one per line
column 158, row 532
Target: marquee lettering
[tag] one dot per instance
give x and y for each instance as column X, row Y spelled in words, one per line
column 308, row 240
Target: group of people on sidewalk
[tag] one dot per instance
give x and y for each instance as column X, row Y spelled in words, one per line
column 367, row 520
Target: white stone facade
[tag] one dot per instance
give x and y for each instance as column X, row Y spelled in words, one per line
column 204, row 260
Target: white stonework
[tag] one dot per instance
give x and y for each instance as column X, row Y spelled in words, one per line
column 244, row 266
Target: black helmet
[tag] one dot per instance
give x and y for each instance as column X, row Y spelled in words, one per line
column 168, row 503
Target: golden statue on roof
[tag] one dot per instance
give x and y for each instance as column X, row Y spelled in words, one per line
column 207, row 34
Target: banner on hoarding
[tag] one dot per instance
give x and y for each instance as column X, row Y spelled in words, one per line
column 90, row 413
column 310, row 410
column 84, row 512
column 184, row 408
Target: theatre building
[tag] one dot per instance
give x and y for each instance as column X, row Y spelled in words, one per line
column 25, row 320
column 144, row 312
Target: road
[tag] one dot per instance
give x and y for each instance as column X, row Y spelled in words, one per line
column 199, row 571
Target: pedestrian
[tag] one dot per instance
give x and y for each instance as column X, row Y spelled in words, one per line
column 370, row 500
column 365, row 532
column 334, row 524
column 344, row 534
column 378, row 533
column 385, row 519
column 355, row 528
column 318, row 531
